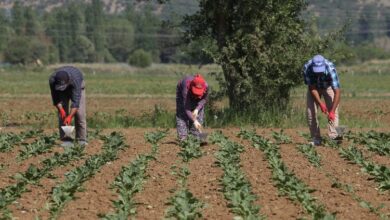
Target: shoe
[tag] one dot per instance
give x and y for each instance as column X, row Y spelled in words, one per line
column 67, row 144
column 315, row 142
column 83, row 143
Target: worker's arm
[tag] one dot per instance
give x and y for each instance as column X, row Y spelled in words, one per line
column 336, row 99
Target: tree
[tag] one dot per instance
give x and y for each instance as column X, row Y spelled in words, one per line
column 5, row 30
column 25, row 50
column 18, row 19
column 120, row 38
column 94, row 27
column 262, row 46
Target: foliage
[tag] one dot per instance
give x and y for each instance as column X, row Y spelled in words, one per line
column 262, row 46
column 25, row 50
column 64, row 192
column 286, row 182
column 378, row 142
column 190, row 148
column 281, row 138
column 236, row 187
column 40, row 146
column 140, row 58
column 33, row 174
column 380, row 173
column 184, row 206
column 311, row 154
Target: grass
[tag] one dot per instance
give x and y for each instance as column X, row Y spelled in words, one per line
column 364, row 83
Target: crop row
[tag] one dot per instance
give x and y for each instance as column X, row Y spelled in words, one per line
column 236, row 188
column 9, row 140
column 63, row 193
column 286, row 182
column 315, row 159
column 34, row 174
column 374, row 141
column 183, row 205
column 131, row 178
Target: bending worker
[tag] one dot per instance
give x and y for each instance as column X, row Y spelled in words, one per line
column 67, row 84
column 322, row 80
column 191, row 97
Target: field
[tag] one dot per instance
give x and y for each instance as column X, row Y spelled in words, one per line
column 138, row 169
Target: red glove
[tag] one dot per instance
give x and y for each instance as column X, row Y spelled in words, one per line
column 323, row 108
column 68, row 120
column 62, row 113
column 331, row 116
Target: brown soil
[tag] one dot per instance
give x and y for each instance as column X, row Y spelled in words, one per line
column 204, row 181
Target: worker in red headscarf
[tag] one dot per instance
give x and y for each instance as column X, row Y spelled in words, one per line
column 191, row 97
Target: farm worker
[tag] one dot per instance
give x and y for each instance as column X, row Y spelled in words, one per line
column 67, row 84
column 191, row 97
column 322, row 80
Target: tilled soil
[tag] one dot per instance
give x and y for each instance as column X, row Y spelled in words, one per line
column 204, row 181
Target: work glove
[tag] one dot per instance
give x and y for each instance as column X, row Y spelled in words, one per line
column 323, row 108
column 331, row 116
column 62, row 113
column 68, row 120
column 195, row 114
column 197, row 125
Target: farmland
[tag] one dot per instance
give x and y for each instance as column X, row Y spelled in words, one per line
column 137, row 169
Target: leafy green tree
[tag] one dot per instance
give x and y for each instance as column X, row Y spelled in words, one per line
column 262, row 45
column 120, row 38
column 18, row 19
column 5, row 30
column 83, row 50
column 140, row 58
column 25, row 50
column 94, row 26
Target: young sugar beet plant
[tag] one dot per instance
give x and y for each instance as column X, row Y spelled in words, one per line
column 131, row 178
column 64, row 192
column 236, row 188
column 183, row 204
column 377, row 142
column 43, row 145
column 380, row 173
column 286, row 182
column 312, row 156
column 33, row 175
column 9, row 140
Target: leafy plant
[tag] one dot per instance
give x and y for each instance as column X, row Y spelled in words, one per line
column 236, row 188
column 131, row 178
column 190, row 148
column 64, row 192
column 281, row 137
column 184, row 206
column 286, row 182
column 311, row 154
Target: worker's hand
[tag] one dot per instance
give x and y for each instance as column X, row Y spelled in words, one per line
column 323, row 108
column 195, row 114
column 68, row 120
column 331, row 116
column 62, row 113
column 197, row 125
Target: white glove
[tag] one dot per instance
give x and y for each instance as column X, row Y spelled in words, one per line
column 195, row 114
column 197, row 125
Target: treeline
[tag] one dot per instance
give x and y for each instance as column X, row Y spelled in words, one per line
column 84, row 32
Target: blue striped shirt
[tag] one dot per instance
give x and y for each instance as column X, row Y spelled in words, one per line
column 321, row 81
